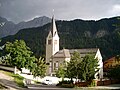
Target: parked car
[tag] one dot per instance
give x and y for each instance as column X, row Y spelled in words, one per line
column 49, row 80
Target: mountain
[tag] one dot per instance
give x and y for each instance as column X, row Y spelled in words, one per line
column 75, row 34
column 6, row 27
column 9, row 28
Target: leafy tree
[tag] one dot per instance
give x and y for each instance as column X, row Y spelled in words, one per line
column 40, row 67
column 19, row 54
column 89, row 67
column 73, row 66
column 61, row 72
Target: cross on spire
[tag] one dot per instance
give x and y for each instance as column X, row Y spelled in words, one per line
column 53, row 11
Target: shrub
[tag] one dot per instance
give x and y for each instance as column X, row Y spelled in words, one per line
column 66, row 84
column 92, row 83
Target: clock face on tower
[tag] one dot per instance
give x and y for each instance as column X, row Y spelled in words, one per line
column 49, row 41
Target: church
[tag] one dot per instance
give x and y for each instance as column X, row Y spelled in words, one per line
column 55, row 57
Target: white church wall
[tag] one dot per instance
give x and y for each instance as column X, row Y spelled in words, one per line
column 98, row 56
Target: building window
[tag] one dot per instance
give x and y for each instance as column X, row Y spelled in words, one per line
column 50, row 64
column 57, row 65
column 50, row 69
column 54, row 66
column 49, row 41
column 55, row 42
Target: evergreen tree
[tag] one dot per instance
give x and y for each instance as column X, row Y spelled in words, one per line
column 89, row 67
column 40, row 67
column 73, row 67
column 61, row 72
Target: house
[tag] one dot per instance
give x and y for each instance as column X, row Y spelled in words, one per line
column 110, row 63
column 55, row 57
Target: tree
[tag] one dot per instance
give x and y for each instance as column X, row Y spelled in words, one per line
column 19, row 54
column 89, row 67
column 73, row 67
column 1, row 54
column 114, row 72
column 40, row 67
column 61, row 72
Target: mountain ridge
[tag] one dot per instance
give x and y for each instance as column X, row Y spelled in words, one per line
column 10, row 28
column 75, row 34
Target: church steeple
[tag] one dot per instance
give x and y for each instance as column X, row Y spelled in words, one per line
column 52, row 42
column 53, row 38
column 53, row 27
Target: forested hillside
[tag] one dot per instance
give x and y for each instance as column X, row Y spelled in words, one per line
column 75, row 34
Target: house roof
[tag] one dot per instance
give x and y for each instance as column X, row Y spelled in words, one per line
column 84, row 52
column 107, row 64
column 111, row 60
column 64, row 53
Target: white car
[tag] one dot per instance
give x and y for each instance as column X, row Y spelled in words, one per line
column 47, row 82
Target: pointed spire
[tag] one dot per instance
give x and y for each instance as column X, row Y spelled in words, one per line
column 53, row 26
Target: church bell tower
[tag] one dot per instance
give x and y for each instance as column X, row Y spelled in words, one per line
column 52, row 44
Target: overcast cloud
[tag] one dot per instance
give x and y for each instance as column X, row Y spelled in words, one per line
column 22, row 10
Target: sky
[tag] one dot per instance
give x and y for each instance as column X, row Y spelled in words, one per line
column 25, row 10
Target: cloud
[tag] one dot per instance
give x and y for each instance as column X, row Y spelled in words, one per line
column 20, row 10
column 115, row 9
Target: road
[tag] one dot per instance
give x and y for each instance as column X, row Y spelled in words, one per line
column 9, row 82
column 52, row 87
column 46, row 87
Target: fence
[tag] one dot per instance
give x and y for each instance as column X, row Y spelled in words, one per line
column 107, row 82
column 98, row 83
column 7, row 68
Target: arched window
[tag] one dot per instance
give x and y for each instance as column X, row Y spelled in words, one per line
column 49, row 41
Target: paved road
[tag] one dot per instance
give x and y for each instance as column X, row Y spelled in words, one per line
column 113, row 86
column 8, row 81
column 50, row 87
column 46, row 87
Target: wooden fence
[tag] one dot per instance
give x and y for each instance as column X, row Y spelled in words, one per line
column 98, row 83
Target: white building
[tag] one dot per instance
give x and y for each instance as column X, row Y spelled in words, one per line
column 54, row 56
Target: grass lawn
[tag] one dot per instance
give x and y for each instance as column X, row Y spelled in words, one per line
column 17, row 78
